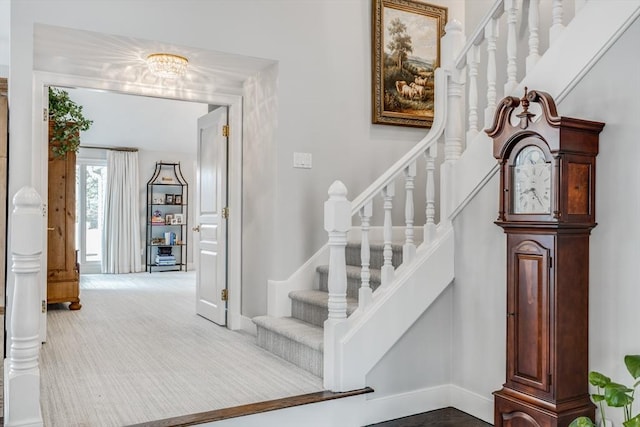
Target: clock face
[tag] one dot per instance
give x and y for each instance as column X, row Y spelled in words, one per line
column 531, row 182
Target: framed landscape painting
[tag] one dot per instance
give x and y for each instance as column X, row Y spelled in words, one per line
column 406, row 50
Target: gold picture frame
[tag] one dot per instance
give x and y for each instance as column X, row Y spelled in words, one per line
column 406, row 38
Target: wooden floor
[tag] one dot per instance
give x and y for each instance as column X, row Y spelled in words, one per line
column 447, row 417
column 137, row 352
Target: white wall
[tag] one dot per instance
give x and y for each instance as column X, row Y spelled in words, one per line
column 609, row 93
column 423, row 355
column 322, row 106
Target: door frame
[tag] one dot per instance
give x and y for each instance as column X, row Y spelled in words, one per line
column 232, row 98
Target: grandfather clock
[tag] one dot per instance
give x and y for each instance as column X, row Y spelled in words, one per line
column 547, row 211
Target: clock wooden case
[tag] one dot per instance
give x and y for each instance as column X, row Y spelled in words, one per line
column 547, row 210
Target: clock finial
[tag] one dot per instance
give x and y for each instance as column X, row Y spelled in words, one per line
column 525, row 116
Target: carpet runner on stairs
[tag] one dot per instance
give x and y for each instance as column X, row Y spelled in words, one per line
column 300, row 338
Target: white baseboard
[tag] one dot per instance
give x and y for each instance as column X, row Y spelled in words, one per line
column 427, row 399
column 471, row 403
column 404, row 404
column 368, row 409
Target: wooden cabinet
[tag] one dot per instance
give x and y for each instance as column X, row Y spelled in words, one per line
column 547, row 210
column 63, row 271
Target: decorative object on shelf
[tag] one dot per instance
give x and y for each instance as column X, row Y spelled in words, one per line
column 167, row 65
column 66, row 121
column 405, row 52
column 547, row 211
column 614, row 395
column 157, row 217
column 165, row 230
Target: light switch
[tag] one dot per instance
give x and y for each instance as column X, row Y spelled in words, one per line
column 302, row 160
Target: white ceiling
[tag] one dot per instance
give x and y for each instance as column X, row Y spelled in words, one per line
column 136, row 121
column 97, row 55
column 139, row 121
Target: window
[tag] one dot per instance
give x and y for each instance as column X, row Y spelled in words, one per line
column 91, row 178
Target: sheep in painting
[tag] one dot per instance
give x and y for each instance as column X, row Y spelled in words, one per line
column 422, row 81
column 419, row 90
column 399, row 85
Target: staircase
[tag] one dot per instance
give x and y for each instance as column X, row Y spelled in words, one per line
column 299, row 338
column 334, row 320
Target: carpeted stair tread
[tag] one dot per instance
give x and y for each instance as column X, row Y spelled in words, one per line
column 320, row 299
column 296, row 330
column 353, row 272
column 396, row 247
column 376, row 254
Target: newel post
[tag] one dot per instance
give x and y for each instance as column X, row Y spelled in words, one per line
column 22, row 373
column 337, row 222
column 452, row 44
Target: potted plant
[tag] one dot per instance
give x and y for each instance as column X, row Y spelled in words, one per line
column 65, row 123
column 614, row 395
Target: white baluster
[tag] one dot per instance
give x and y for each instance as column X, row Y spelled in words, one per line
column 22, row 373
column 511, row 8
column 473, row 61
column 491, row 34
column 337, row 222
column 387, row 272
column 430, row 225
column 365, row 293
column 534, row 40
column 556, row 19
column 409, row 247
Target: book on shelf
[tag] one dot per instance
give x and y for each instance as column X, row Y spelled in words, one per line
column 169, row 238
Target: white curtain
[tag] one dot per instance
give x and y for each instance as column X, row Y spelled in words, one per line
column 121, row 244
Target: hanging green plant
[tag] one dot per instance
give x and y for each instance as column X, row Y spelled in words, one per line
column 67, row 123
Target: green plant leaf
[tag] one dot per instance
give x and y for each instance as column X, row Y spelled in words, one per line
column 616, row 395
column 633, row 422
column 582, row 422
column 633, row 365
column 597, row 398
column 598, row 380
column 68, row 122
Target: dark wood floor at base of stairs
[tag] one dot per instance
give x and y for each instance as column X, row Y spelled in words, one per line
column 446, row 417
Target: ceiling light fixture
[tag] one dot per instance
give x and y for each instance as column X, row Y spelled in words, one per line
column 167, row 65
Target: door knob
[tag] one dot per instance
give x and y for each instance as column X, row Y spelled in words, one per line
column 196, row 228
column 50, row 228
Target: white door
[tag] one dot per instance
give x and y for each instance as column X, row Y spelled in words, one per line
column 210, row 248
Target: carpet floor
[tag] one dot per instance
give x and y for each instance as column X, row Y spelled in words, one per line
column 137, row 352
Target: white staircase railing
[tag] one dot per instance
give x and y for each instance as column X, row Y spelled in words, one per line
column 460, row 63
